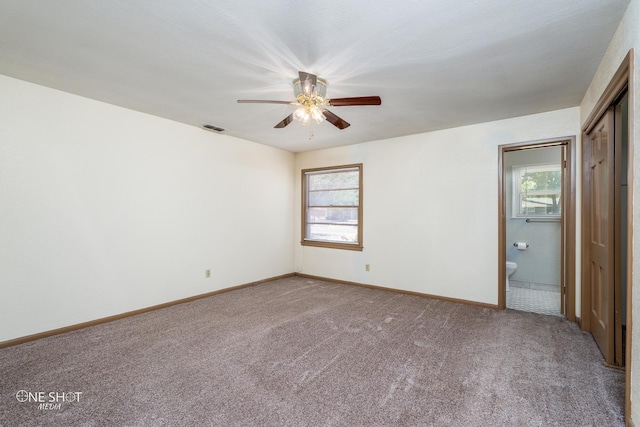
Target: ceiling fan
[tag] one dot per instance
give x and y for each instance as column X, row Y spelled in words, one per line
column 310, row 91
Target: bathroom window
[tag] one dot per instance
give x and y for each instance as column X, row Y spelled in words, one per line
column 332, row 207
column 537, row 191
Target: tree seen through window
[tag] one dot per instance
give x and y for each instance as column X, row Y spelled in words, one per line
column 537, row 190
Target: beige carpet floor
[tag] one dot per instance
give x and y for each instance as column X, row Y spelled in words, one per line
column 300, row 352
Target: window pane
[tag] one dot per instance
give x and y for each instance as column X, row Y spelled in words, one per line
column 334, row 198
column 537, row 190
column 333, row 215
column 333, row 180
column 541, row 180
column 333, row 233
column 540, row 204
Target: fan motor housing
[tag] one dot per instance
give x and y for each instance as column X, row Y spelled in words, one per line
column 321, row 87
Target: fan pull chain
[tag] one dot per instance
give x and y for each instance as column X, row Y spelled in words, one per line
column 310, row 130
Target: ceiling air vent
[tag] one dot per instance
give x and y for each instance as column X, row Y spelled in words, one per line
column 213, row 128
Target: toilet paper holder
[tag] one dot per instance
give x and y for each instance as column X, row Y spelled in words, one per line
column 515, row 245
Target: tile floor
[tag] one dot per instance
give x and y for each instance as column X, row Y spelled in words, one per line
column 543, row 301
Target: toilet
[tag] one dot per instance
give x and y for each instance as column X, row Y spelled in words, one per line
column 511, row 268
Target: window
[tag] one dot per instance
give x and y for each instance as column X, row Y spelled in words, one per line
column 537, row 191
column 332, row 207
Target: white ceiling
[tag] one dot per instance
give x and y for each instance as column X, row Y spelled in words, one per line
column 436, row 64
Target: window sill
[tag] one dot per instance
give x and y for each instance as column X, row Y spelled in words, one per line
column 333, row 245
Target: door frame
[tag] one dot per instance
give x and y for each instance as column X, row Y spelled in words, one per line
column 622, row 80
column 568, row 221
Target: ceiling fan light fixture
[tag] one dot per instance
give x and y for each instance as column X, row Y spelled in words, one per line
column 311, row 102
column 304, row 114
column 316, row 114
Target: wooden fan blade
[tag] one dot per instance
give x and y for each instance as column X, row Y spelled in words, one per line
column 308, row 82
column 285, row 122
column 262, row 101
column 358, row 100
column 335, row 120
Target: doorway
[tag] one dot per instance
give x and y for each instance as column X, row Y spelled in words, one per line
column 533, row 225
column 537, row 211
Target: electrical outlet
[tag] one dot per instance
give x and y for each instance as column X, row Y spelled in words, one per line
column 207, row 273
column 367, row 267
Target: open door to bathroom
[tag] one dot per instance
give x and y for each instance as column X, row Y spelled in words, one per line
column 549, row 221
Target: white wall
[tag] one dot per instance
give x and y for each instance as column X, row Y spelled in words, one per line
column 105, row 210
column 430, row 207
column 627, row 37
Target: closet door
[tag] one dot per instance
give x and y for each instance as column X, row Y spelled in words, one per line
column 601, row 234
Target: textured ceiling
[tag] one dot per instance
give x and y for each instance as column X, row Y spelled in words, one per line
column 435, row 64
